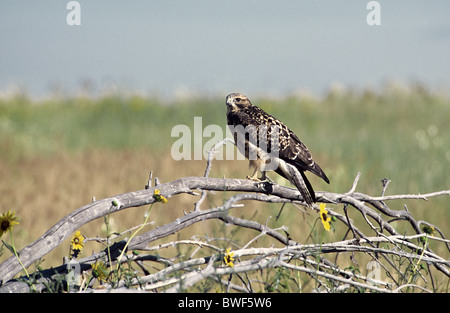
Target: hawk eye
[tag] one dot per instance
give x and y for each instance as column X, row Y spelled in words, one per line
column 238, row 99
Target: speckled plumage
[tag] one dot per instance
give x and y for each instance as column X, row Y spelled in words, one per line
column 283, row 148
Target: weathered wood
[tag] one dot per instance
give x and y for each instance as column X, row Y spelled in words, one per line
column 255, row 191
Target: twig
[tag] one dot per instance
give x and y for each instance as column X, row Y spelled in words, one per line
column 355, row 182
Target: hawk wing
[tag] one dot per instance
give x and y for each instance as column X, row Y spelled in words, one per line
column 295, row 159
column 295, row 152
column 291, row 149
column 293, row 156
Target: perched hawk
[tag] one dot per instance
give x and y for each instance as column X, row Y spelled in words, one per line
column 271, row 145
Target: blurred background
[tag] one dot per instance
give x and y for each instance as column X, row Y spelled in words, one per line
column 87, row 110
column 171, row 48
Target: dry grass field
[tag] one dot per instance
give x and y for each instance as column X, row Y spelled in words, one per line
column 57, row 154
column 45, row 189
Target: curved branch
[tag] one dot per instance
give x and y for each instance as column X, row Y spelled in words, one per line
column 260, row 191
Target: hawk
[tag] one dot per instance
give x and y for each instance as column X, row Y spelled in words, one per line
column 270, row 145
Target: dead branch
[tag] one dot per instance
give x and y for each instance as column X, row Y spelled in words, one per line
column 374, row 208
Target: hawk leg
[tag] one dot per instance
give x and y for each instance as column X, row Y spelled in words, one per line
column 255, row 176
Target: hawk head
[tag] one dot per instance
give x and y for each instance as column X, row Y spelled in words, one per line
column 237, row 101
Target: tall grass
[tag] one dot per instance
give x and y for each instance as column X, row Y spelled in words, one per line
column 399, row 134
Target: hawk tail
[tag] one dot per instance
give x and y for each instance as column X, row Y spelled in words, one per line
column 319, row 172
column 298, row 178
column 309, row 187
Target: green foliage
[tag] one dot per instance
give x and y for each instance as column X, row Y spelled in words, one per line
column 399, row 134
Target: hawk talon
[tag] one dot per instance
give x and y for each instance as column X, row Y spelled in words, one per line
column 254, row 178
column 262, row 179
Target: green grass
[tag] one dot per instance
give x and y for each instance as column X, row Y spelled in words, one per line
column 56, row 154
column 112, row 122
column 397, row 134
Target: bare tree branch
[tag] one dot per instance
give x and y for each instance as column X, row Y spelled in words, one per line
column 371, row 209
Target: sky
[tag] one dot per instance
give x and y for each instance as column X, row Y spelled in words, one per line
column 175, row 47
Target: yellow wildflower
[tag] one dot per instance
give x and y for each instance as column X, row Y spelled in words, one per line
column 7, row 222
column 228, row 258
column 77, row 241
column 324, row 217
column 158, row 197
column 428, row 230
column 99, row 271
